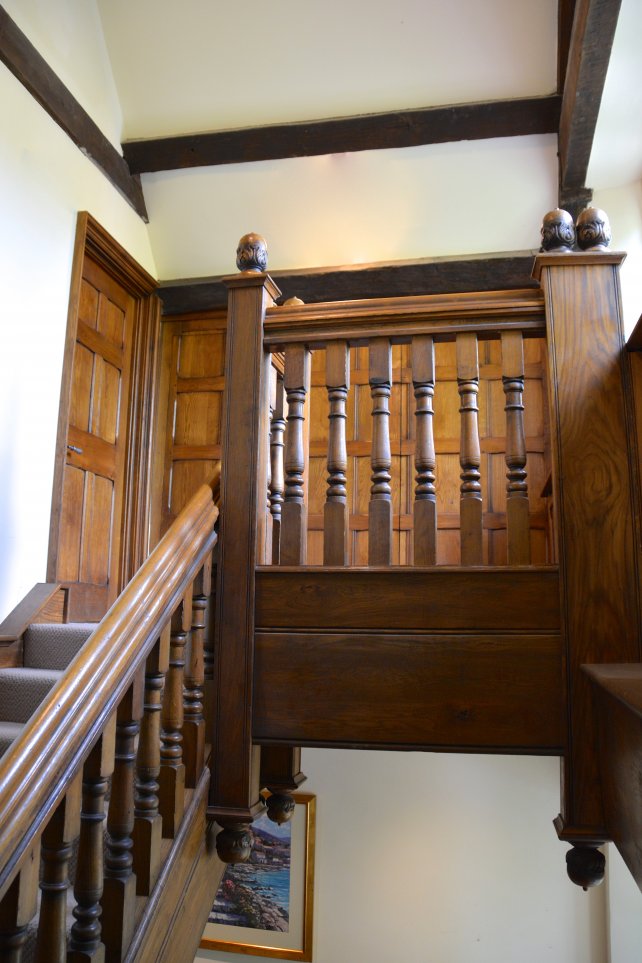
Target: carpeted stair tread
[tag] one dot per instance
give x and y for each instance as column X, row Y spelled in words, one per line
column 22, row 690
column 53, row 646
column 8, row 732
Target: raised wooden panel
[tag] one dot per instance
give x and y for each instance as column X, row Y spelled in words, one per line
column 197, row 418
column 490, row 692
column 71, row 525
column 81, row 392
column 105, row 409
column 186, row 478
column 96, row 529
column 88, row 304
column 111, row 322
column 442, row 599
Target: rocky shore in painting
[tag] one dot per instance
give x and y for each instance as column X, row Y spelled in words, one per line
column 246, row 896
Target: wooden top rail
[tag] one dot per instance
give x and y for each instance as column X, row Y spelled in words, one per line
column 39, row 766
column 440, row 315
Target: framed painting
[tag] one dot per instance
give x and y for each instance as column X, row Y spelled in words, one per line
column 264, row 907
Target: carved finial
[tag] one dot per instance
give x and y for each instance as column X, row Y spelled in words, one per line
column 558, row 232
column 593, row 230
column 280, row 807
column 251, row 254
column 585, row 866
column 291, row 302
column 234, row 843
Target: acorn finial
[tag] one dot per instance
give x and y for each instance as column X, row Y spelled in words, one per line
column 558, row 232
column 585, row 866
column 234, row 843
column 280, row 807
column 593, row 230
column 251, row 253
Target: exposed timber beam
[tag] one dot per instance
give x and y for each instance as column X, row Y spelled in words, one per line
column 402, row 128
column 440, row 275
column 592, row 36
column 34, row 73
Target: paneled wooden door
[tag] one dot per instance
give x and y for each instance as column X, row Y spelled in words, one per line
column 102, row 409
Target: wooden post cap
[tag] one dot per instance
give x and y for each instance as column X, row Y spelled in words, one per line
column 251, row 253
column 558, row 232
column 593, row 230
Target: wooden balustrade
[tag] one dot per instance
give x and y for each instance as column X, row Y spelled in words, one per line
column 90, row 748
column 427, row 325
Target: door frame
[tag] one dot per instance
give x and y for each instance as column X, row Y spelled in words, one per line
column 94, row 242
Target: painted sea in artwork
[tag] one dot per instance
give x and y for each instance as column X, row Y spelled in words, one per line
column 257, row 893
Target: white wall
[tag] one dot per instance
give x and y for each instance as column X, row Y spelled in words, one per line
column 44, row 182
column 428, row 858
column 624, row 208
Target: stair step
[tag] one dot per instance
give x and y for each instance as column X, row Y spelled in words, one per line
column 53, row 646
column 8, row 732
column 22, row 690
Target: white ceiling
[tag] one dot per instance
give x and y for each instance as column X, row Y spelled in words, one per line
column 204, row 65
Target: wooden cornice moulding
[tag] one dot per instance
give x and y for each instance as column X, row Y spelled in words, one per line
column 576, row 259
column 338, row 135
column 34, row 73
column 106, row 251
column 439, row 275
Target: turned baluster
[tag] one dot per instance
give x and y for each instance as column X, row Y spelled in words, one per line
column 469, row 451
column 517, row 516
column 277, row 483
column 18, row 907
column 380, row 508
column 148, row 822
column 425, row 507
column 335, row 511
column 57, row 845
column 296, row 381
column 119, row 891
column 85, row 941
column 172, row 774
column 194, row 719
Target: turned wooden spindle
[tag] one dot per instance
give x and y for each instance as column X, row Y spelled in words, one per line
column 335, row 511
column 57, row 846
column 119, row 890
column 172, row 774
column 148, row 822
column 380, row 507
column 194, row 719
column 18, row 907
column 277, row 482
column 296, row 382
column 517, row 514
column 469, row 451
column 85, row 941
column 425, row 506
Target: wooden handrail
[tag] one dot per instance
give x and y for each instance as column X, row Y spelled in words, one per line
column 41, row 763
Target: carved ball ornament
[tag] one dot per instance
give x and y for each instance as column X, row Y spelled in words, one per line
column 585, row 866
column 251, row 253
column 558, row 232
column 280, row 807
column 593, row 230
column 234, row 843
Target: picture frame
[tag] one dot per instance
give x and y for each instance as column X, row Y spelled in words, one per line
column 263, row 890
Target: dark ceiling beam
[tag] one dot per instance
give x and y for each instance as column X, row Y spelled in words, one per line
column 440, row 275
column 402, row 128
column 591, row 41
column 34, row 73
column 565, row 14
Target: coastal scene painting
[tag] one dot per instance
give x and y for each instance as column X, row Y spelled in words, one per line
column 257, row 893
column 264, row 907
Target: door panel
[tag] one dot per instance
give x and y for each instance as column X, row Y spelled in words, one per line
column 92, row 499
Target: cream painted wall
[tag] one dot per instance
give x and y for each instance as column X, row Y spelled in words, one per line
column 442, row 199
column 428, row 858
column 68, row 34
column 44, row 182
column 624, row 208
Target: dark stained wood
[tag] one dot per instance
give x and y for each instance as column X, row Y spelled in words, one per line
column 425, row 503
column 296, row 384
column 234, row 791
column 57, row 839
column 499, row 692
column 565, row 13
column 440, row 275
column 335, row 509
column 595, row 482
column 380, row 505
column 28, row 610
column 17, row 908
column 402, row 128
column 470, row 502
column 443, row 599
column 171, row 796
column 277, row 474
column 634, row 342
column 193, row 718
column 517, row 513
column 34, row 73
column 618, row 701
column 592, row 35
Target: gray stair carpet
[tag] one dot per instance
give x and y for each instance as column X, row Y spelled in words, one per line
column 54, row 646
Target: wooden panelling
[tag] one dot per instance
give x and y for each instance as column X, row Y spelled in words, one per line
column 500, row 692
column 441, row 598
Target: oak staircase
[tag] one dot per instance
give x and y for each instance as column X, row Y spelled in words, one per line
column 222, row 670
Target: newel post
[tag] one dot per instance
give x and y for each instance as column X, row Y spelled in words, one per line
column 595, row 486
column 234, row 789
